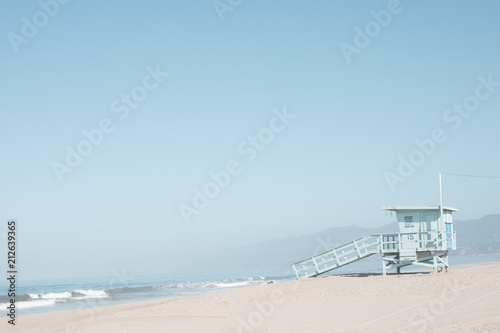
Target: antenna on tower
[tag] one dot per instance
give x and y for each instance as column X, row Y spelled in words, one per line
column 440, row 199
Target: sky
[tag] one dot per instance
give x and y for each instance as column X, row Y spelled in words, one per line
column 134, row 131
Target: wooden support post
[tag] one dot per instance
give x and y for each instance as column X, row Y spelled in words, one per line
column 295, row 270
column 315, row 265
column 336, row 257
column 357, row 248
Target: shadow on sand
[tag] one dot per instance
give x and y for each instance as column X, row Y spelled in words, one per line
column 360, row 275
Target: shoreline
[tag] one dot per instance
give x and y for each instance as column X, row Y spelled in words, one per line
column 416, row 270
column 411, row 302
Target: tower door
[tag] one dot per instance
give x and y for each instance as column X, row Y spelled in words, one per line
column 431, row 226
column 431, row 221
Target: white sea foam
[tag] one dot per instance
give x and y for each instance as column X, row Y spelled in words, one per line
column 65, row 294
column 232, row 284
column 91, row 293
column 30, row 304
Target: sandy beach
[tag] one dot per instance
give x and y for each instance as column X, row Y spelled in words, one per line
column 464, row 299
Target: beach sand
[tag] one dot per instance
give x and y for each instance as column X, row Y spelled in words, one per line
column 464, row 299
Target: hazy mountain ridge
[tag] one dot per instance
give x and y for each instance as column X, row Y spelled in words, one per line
column 476, row 237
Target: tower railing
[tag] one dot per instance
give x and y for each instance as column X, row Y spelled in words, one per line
column 420, row 241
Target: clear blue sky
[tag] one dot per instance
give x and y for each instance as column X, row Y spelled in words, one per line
column 326, row 168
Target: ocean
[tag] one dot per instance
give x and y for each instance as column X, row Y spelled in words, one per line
column 39, row 296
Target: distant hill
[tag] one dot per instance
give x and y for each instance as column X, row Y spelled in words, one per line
column 480, row 236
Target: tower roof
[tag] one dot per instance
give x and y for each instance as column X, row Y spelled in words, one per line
column 413, row 208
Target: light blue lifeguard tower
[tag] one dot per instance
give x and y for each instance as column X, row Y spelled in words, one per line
column 425, row 236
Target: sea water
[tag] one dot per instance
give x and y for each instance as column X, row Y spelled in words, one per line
column 38, row 296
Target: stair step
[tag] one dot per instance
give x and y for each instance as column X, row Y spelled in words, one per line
column 336, row 257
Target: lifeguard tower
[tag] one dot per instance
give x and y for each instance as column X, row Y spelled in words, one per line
column 425, row 236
